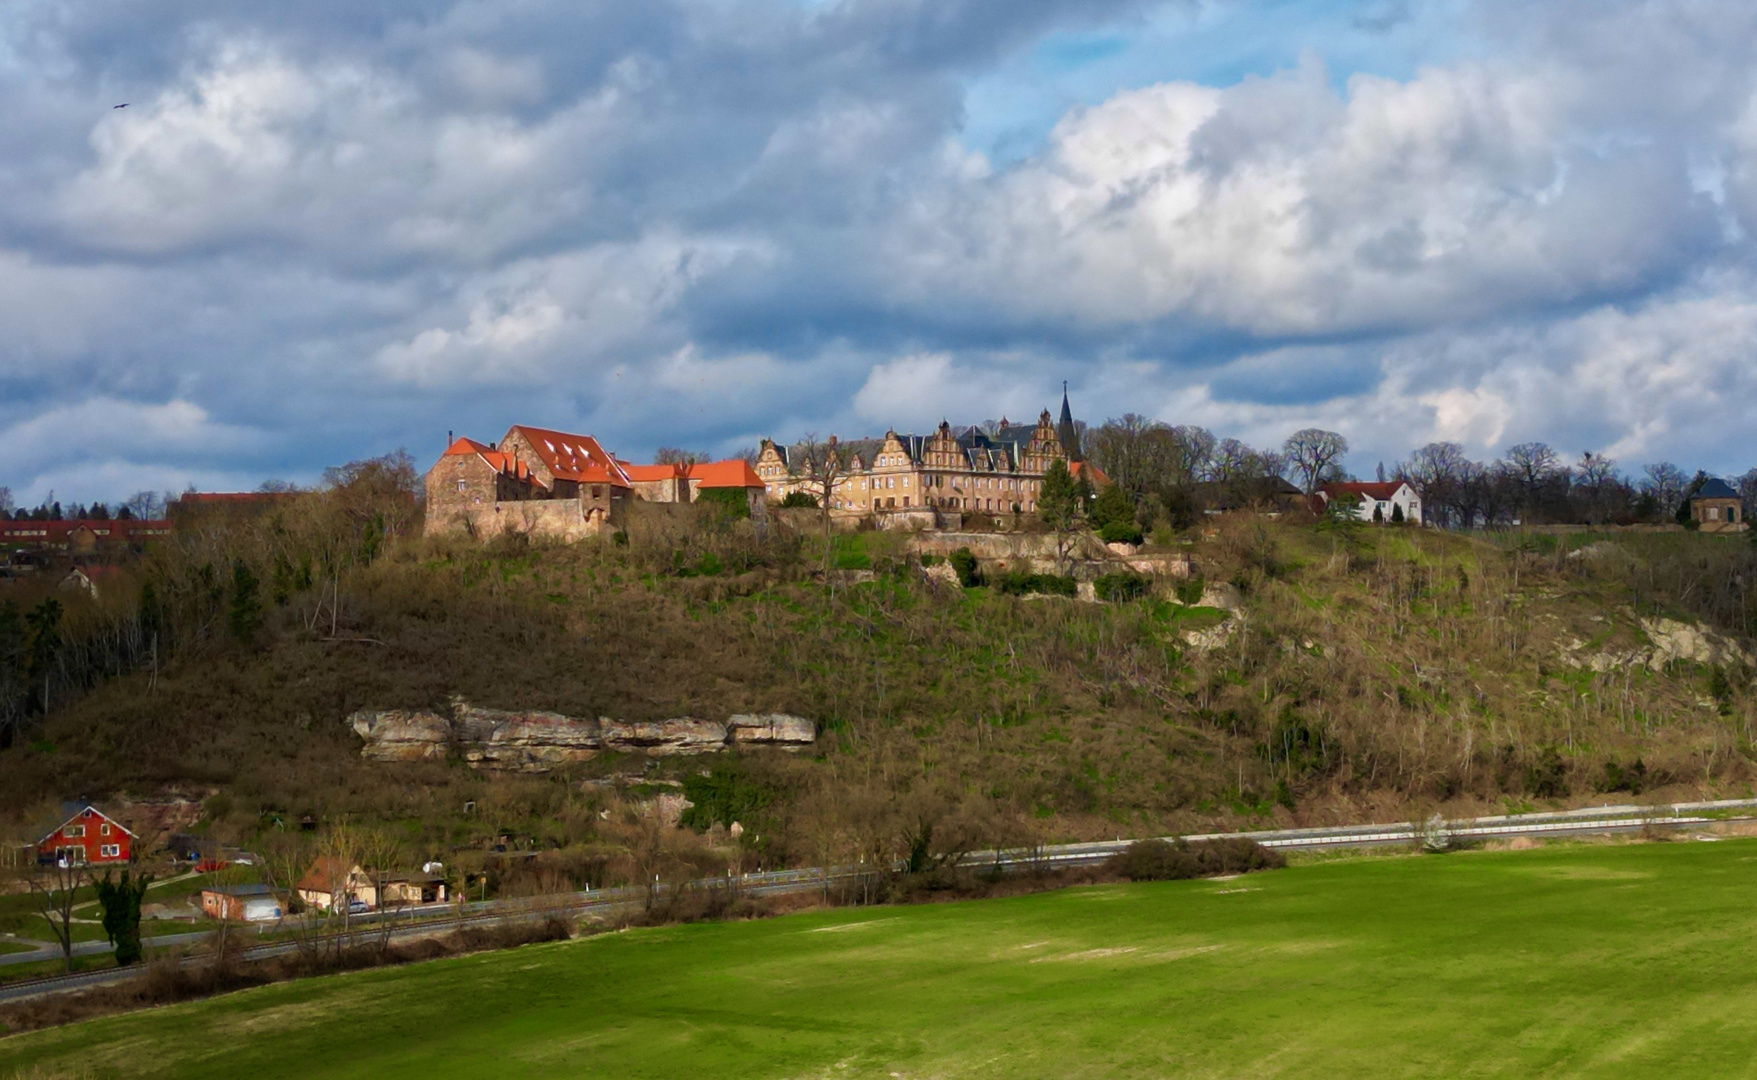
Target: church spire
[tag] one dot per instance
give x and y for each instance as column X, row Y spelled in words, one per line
column 1064, row 428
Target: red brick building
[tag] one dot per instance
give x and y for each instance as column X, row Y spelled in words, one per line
column 90, row 837
column 79, row 537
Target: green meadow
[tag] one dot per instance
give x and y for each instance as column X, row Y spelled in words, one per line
column 1629, row 960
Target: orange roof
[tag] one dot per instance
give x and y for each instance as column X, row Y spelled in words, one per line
column 498, row 461
column 1090, row 471
column 574, row 457
column 652, row 472
column 466, row 446
column 735, row 473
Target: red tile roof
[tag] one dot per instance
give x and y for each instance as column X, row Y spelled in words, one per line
column 574, row 457
column 735, row 473
column 1381, row 490
column 652, row 472
column 235, row 496
column 1090, row 471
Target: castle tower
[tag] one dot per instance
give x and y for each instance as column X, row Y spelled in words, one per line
column 1064, row 428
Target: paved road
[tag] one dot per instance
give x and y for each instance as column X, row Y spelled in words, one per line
column 1592, row 821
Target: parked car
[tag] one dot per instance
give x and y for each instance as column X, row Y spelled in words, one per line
column 358, row 907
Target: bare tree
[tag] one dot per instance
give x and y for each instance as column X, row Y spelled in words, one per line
column 287, row 858
column 380, row 852
column 1122, row 447
column 1443, row 476
column 1748, row 492
column 53, row 888
column 1315, row 456
column 823, row 469
column 6, row 504
column 672, row 455
column 1533, row 467
column 1665, row 483
column 1595, row 471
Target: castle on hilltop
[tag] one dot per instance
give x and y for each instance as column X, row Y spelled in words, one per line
column 553, row 483
column 996, row 469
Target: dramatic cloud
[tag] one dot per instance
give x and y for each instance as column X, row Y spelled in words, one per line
column 322, row 231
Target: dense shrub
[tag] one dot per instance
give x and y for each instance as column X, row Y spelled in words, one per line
column 1024, row 583
column 1161, row 860
column 731, row 502
column 798, row 500
column 964, row 563
column 1123, row 586
column 1121, row 532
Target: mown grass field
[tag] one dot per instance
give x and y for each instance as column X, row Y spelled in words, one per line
column 1603, row 961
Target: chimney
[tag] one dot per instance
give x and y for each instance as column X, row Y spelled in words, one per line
column 448, row 439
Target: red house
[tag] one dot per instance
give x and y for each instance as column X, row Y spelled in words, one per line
column 88, row 837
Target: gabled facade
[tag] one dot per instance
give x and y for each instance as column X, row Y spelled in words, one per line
column 1384, row 502
column 968, row 470
column 88, row 837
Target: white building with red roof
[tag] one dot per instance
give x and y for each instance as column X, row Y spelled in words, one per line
column 1383, row 501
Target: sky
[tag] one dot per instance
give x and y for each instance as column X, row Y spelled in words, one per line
column 326, row 231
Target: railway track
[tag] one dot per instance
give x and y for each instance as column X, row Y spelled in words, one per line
column 1593, row 821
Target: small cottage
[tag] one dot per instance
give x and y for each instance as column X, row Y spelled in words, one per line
column 1716, row 507
column 332, row 882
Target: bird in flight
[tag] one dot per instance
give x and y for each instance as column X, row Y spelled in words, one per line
column 124, row 105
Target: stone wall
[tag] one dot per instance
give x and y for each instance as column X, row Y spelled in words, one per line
column 1036, row 552
column 534, row 741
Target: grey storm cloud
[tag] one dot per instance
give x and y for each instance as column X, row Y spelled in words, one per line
column 324, row 230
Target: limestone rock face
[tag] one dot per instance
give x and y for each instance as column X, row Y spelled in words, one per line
column 941, row 573
column 401, row 735
column 662, row 738
column 535, row 741
column 772, row 729
column 1223, row 595
column 1673, row 640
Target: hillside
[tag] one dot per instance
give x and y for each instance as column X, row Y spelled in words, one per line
column 1312, row 673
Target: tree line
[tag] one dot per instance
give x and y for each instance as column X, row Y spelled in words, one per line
column 211, row 584
column 1175, row 471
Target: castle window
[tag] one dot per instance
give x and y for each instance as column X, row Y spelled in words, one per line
column 597, row 491
column 461, row 485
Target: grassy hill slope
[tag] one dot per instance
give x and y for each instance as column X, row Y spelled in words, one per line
column 1517, row 964
column 1364, row 671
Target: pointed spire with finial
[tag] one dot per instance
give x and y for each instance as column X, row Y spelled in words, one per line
column 1064, row 428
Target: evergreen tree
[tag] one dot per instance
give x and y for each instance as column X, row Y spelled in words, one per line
column 244, row 618
column 1061, row 506
column 120, row 903
column 44, row 621
column 1112, row 506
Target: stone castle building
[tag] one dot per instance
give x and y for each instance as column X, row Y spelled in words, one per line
column 558, row 484
column 968, row 471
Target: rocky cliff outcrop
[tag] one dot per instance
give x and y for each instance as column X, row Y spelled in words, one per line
column 540, row 741
column 1671, row 640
